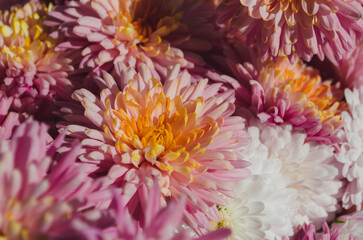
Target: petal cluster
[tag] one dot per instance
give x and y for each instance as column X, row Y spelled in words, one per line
column 285, row 27
column 30, row 70
column 182, row 133
column 158, row 33
column 181, row 119
column 294, row 93
column 8, row 120
column 158, row 222
column 34, row 204
column 350, row 156
column 304, row 170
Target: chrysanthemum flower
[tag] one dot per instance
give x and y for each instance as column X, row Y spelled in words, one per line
column 182, row 133
column 350, row 155
column 305, row 167
column 294, row 93
column 158, row 221
column 349, row 69
column 308, row 232
column 37, row 200
column 30, row 70
column 8, row 120
column 158, row 33
column 263, row 208
column 350, row 225
column 284, row 27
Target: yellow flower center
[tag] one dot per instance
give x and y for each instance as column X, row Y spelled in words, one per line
column 225, row 219
column 25, row 39
column 304, row 86
column 164, row 132
column 148, row 27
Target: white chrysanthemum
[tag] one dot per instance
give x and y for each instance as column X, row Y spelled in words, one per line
column 351, row 153
column 264, row 206
column 262, row 210
column 304, row 167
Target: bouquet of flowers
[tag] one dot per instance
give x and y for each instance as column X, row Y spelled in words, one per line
column 181, row 119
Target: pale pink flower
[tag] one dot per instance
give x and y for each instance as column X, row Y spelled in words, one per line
column 285, row 27
column 349, row 69
column 350, row 225
column 182, row 133
column 30, row 70
column 308, row 232
column 158, row 33
column 38, row 197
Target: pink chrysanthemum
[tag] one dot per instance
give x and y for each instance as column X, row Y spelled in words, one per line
column 349, row 69
column 30, row 70
column 284, row 27
column 182, row 133
column 308, row 232
column 8, row 120
column 156, row 32
column 285, row 92
column 157, row 222
column 350, row 225
column 37, row 200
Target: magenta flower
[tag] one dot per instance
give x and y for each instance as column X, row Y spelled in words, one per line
column 182, row 133
column 156, row 222
column 158, row 33
column 37, row 198
column 308, row 232
column 30, row 70
column 286, row 27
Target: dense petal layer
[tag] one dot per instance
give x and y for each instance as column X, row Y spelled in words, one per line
column 180, row 132
column 305, row 27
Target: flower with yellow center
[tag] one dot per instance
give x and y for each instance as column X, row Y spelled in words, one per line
column 182, row 133
column 294, row 93
column 156, row 32
column 30, row 70
column 286, row 27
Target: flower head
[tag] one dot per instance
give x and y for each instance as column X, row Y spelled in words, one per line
column 156, row 32
column 349, row 70
column 263, row 207
column 285, row 27
column 35, row 204
column 294, row 93
column 182, row 133
column 350, row 156
column 30, row 70
column 291, row 163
